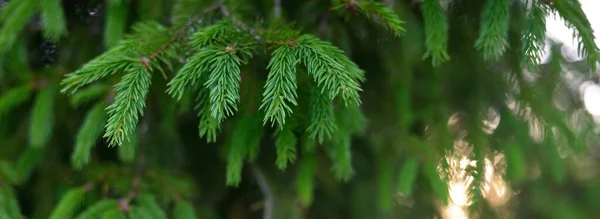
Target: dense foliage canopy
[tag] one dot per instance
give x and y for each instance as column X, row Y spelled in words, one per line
column 294, row 109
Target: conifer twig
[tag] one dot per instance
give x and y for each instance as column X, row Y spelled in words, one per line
column 266, row 191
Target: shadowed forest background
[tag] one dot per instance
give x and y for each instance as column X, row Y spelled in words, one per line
column 296, row 109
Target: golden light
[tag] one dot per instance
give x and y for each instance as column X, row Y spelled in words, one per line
column 495, row 190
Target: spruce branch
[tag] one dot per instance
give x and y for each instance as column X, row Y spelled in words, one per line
column 534, row 36
column 109, row 63
column 115, row 25
column 70, row 201
column 208, row 127
column 130, row 101
column 14, row 18
column 492, row 41
column 88, row 134
column 285, row 144
column 220, row 32
column 305, row 185
column 333, row 72
column 379, row 12
column 184, row 210
column 53, row 19
column 280, row 89
column 97, row 209
column 575, row 18
column 436, row 30
column 150, row 205
column 322, row 117
column 244, row 142
column 223, row 83
column 42, row 120
column 340, row 152
column 10, row 206
column 193, row 72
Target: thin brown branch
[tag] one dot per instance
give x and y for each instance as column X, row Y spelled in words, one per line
column 177, row 35
column 239, row 23
column 139, row 171
column 266, row 191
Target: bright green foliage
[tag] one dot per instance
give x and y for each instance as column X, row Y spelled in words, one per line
column 53, row 19
column 88, row 134
column 285, row 143
column 89, row 94
column 407, row 176
column 493, row 31
column 241, row 143
column 186, row 88
column 13, row 98
column 14, row 17
column 107, row 64
column 69, row 203
column 129, row 104
column 184, row 210
column 114, row 213
column 98, row 209
column 115, row 23
column 514, row 155
column 149, row 204
column 193, row 73
column 42, row 121
column 437, row 184
column 127, row 150
column 328, row 67
column 341, row 156
column 383, row 15
column 220, row 32
column 534, row 36
column 209, row 126
column 385, row 188
column 9, row 208
column 223, row 83
column 322, row 116
column 280, row 90
column 378, row 12
column 136, row 49
column 137, row 212
column 305, row 184
column 436, row 30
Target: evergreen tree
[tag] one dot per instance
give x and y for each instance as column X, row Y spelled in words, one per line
column 293, row 109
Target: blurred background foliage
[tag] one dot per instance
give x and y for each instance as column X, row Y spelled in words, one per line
column 461, row 118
